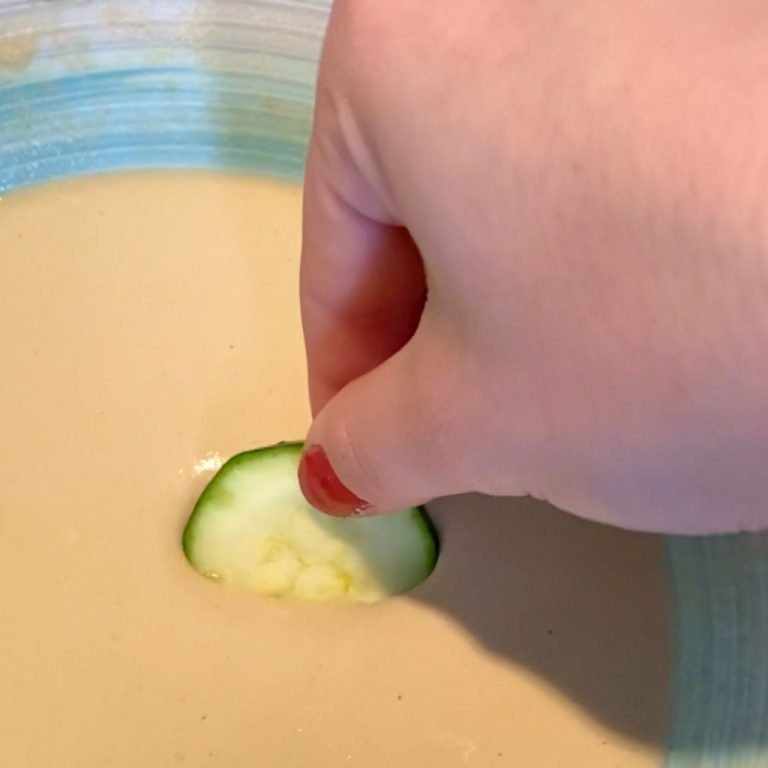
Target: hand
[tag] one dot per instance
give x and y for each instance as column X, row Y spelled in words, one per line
column 536, row 258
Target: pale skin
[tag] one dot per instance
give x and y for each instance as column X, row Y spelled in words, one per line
column 580, row 191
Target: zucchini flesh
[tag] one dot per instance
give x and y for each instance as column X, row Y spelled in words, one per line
column 252, row 528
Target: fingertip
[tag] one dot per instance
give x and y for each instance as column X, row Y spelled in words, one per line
column 323, row 488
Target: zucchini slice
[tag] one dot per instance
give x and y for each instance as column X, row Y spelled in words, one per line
column 252, row 528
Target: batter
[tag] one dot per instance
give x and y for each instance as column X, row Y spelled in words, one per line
column 149, row 328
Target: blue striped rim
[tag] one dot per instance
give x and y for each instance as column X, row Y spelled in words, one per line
column 144, row 118
column 88, row 87
column 721, row 596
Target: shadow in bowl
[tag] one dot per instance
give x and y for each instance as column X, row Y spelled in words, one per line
column 584, row 606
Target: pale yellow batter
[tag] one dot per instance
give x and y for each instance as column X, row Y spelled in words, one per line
column 149, row 326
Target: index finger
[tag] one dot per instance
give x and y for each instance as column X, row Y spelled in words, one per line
column 362, row 279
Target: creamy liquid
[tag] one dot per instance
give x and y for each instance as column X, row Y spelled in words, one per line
column 149, row 326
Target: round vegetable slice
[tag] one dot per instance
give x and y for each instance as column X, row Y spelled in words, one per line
column 252, row 528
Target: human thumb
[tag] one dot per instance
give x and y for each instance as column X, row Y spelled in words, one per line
column 380, row 444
